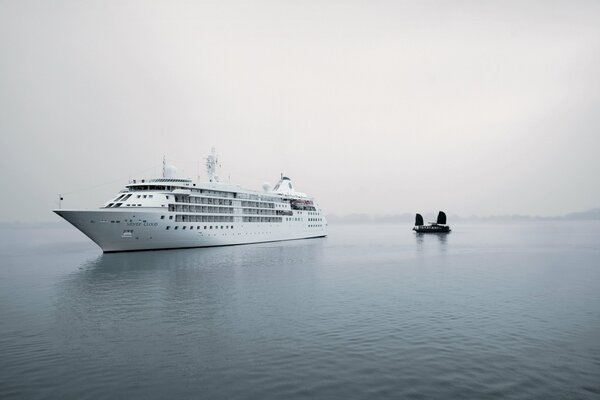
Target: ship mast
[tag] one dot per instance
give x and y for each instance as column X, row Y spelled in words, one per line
column 212, row 163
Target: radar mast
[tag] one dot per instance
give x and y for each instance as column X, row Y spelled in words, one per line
column 212, row 163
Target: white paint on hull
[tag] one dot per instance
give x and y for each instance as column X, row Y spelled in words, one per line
column 149, row 231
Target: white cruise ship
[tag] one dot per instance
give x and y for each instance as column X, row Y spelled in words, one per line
column 170, row 213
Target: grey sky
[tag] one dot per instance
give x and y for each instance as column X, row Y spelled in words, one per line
column 478, row 107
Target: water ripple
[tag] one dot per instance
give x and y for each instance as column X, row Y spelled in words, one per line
column 370, row 312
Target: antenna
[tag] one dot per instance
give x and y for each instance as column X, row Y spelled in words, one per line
column 164, row 166
column 60, row 199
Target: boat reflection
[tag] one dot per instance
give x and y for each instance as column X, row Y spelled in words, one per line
column 424, row 239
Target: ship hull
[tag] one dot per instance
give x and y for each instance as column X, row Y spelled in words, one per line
column 117, row 231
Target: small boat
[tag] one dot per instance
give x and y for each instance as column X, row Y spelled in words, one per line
column 434, row 227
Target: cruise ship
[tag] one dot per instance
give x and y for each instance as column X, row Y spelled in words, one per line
column 171, row 212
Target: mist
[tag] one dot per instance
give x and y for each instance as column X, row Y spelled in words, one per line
column 477, row 108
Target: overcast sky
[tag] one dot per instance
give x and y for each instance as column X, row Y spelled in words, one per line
column 473, row 107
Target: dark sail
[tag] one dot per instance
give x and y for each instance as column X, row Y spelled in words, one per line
column 441, row 218
column 418, row 220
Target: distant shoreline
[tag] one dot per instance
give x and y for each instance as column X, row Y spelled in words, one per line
column 590, row 215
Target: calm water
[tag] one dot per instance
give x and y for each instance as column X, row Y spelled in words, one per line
column 490, row 311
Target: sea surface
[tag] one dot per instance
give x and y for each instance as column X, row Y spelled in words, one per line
column 499, row 310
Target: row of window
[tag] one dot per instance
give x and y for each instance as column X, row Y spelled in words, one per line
column 123, row 197
column 259, row 211
column 118, row 202
column 261, row 219
column 203, row 218
column 225, row 210
column 214, row 193
column 201, row 209
column 169, row 180
column 116, row 205
column 151, row 187
column 303, row 207
column 248, row 196
column 199, row 227
column 262, row 201
column 218, row 218
column 203, row 200
column 257, row 204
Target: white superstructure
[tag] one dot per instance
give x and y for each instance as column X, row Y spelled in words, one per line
column 171, row 212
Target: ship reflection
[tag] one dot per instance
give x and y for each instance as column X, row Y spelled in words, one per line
column 186, row 273
column 193, row 286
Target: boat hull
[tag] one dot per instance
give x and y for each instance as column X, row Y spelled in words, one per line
column 432, row 229
column 115, row 231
